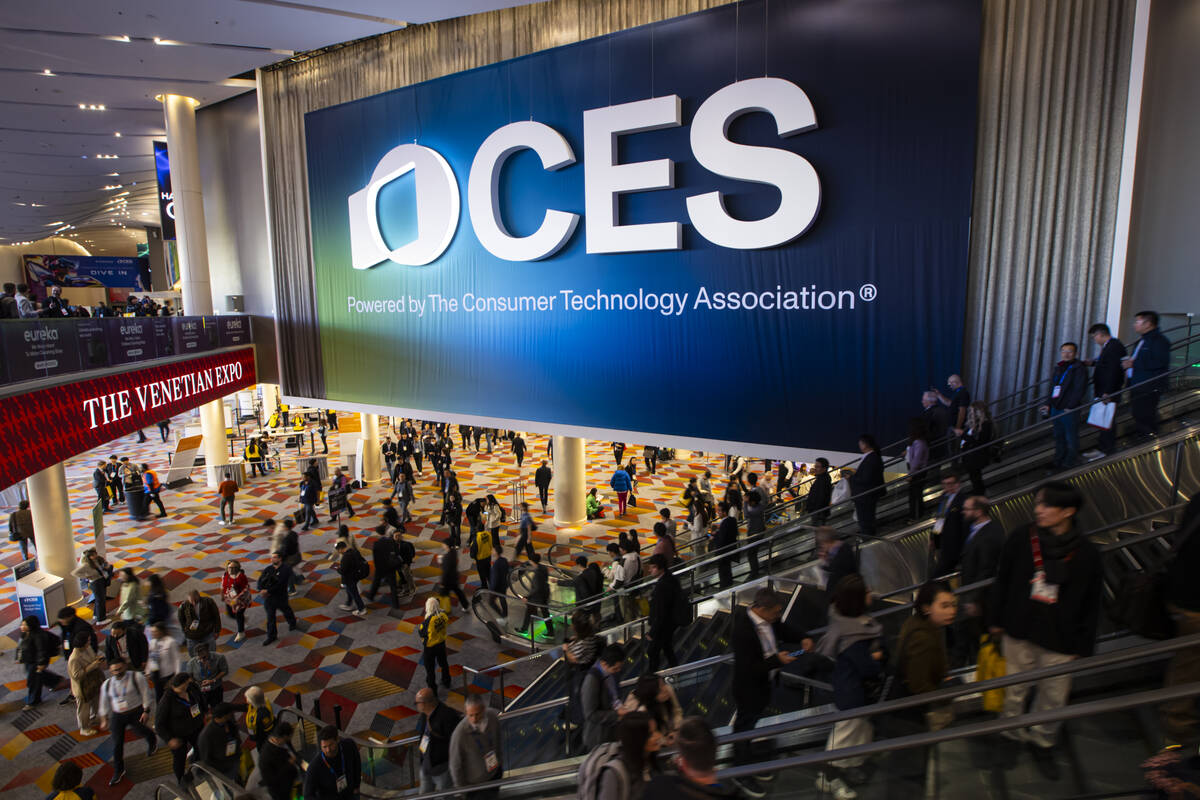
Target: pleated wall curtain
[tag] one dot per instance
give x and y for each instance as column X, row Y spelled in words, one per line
column 1053, row 79
column 1053, row 82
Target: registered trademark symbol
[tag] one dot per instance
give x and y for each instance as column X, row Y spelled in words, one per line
column 867, row 292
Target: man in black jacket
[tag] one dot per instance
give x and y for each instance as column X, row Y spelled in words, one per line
column 589, row 582
column 385, row 555
column 273, row 585
column 725, row 538
column 539, row 596
column 980, row 560
column 127, row 640
column 435, row 727
column 948, row 529
column 498, row 579
column 866, row 484
column 219, row 745
column 1150, row 360
column 1107, row 380
column 837, row 558
column 336, row 772
column 665, row 612
column 1046, row 603
column 696, row 763
column 100, row 484
column 541, row 479
column 1067, row 387
column 820, row 492
column 937, row 418
column 278, row 764
column 179, row 719
column 757, row 633
column 1180, row 719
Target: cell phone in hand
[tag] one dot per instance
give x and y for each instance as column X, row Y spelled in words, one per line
column 796, row 653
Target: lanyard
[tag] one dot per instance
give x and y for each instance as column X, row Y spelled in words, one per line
column 475, row 737
column 1066, row 372
column 1037, row 551
column 330, row 766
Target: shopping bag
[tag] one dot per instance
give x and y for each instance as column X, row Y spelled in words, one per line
column 990, row 665
column 1101, row 415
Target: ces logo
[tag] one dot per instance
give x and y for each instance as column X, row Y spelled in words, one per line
column 438, row 202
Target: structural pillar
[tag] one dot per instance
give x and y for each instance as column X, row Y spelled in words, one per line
column 190, row 238
column 371, row 452
column 53, row 536
column 570, row 479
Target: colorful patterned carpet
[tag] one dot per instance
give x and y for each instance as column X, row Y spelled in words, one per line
column 370, row 667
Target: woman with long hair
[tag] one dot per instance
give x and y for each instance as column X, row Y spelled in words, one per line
column 235, row 590
column 978, row 434
column 158, row 601
column 636, row 749
column 98, row 573
column 130, row 605
column 654, row 696
column 495, row 516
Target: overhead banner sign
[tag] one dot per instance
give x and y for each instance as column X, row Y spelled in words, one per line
column 166, row 198
column 746, row 227
column 42, row 272
column 91, row 412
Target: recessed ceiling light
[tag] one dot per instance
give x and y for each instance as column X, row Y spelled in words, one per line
column 48, row 73
column 52, row 224
column 113, row 175
column 107, row 155
column 117, row 134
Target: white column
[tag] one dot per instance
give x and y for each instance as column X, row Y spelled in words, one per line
column 569, row 481
column 52, row 533
column 190, row 236
column 371, row 453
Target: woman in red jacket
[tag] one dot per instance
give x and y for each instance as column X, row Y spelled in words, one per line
column 235, row 589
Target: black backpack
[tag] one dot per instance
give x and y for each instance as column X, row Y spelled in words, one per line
column 406, row 551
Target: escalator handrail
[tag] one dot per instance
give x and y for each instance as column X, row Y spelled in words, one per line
column 216, row 777
column 876, row 614
column 1147, row 699
column 1103, row 548
column 937, row 465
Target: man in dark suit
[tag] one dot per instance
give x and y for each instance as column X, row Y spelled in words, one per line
column 820, row 491
column 541, row 479
column 937, row 418
column 589, row 582
column 664, row 619
column 725, row 538
column 980, row 560
column 757, row 652
column 1150, row 359
column 100, row 484
column 948, row 535
column 866, row 484
column 1107, row 380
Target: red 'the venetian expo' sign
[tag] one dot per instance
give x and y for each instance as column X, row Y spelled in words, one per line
column 41, row 428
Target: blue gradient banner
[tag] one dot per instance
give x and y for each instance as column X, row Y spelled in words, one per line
column 824, row 320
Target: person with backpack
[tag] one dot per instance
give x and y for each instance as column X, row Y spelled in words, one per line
column 853, row 642
column 35, row 648
column 433, row 639
column 528, row 526
column 125, row 702
column 386, row 557
column 480, row 548
column 405, row 554
column 353, row 568
column 599, row 697
column 20, row 527
column 621, row 770
column 669, row 609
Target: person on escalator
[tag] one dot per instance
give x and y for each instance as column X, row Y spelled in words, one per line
column 1046, row 602
column 867, row 484
column 820, row 492
column 756, row 522
column 946, row 541
column 853, row 642
column 620, row 770
column 600, row 698
column 1067, row 387
column 757, row 634
column 1180, row 719
column 725, row 538
column 669, row 609
column 589, row 582
column 696, row 763
column 498, row 580
column 435, row 726
column 630, row 601
column 1150, row 360
column 477, row 749
column 539, row 597
column 837, row 558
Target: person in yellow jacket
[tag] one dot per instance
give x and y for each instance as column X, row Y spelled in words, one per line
column 481, row 553
column 433, row 637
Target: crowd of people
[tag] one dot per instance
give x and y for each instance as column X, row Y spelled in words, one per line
column 18, row 302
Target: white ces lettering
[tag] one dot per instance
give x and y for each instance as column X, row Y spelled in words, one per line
column 605, row 180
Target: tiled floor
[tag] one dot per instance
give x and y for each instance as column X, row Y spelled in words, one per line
column 370, row 667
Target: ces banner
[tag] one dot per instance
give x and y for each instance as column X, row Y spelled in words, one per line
column 744, row 228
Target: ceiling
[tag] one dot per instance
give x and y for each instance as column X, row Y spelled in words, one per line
column 78, row 80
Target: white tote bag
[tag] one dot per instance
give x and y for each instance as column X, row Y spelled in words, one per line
column 1101, row 415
